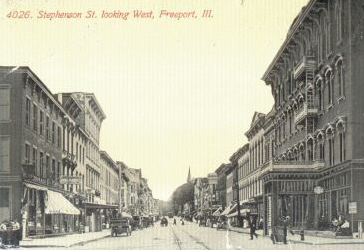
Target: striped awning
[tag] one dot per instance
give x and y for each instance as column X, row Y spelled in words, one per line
column 36, row 187
column 56, row 203
column 228, row 209
column 243, row 212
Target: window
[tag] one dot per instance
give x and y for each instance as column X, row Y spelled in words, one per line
column 53, row 174
column 320, row 97
column 58, row 171
column 342, row 146
column 322, row 151
column 53, row 133
column 27, row 154
column 48, row 170
column 59, row 137
column 35, row 118
column 331, row 152
column 27, row 112
column 338, row 16
column 47, row 129
column 41, row 122
column 41, row 164
column 34, row 157
column 4, row 203
column 4, row 104
column 76, row 150
column 340, row 78
column 330, row 87
column 4, row 154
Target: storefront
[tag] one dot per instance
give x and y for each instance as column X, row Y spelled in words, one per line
column 288, row 195
column 47, row 212
column 97, row 215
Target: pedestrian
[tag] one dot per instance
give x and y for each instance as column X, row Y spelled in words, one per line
column 174, row 221
column 253, row 228
column 286, row 227
column 261, row 223
column 182, row 221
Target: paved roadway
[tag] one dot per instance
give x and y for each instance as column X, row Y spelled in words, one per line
column 192, row 237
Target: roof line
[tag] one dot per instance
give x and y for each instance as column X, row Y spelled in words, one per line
column 290, row 33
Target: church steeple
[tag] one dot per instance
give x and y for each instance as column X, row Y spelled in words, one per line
column 189, row 175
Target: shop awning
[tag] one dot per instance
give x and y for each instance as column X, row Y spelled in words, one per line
column 36, row 187
column 56, row 203
column 217, row 212
column 228, row 209
column 126, row 215
column 243, row 212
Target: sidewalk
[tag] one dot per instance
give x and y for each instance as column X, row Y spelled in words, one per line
column 66, row 240
column 309, row 240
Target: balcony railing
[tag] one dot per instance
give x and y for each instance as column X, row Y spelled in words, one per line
column 305, row 111
column 306, row 63
column 29, row 174
column 292, row 166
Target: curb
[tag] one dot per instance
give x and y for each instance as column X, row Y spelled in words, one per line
column 89, row 241
column 325, row 244
column 307, row 242
column 81, row 243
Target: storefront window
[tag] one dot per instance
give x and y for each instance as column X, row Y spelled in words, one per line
column 4, row 204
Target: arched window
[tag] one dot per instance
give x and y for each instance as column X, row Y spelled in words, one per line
column 319, row 87
column 310, row 149
column 340, row 77
column 330, row 139
column 342, row 146
column 327, row 36
column 330, row 87
column 338, row 17
column 321, row 143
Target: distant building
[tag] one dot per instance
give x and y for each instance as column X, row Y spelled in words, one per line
column 221, row 185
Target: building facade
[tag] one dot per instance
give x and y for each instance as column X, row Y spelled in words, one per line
column 32, row 157
column 221, row 185
column 313, row 166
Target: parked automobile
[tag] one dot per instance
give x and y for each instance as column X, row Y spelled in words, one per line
column 119, row 226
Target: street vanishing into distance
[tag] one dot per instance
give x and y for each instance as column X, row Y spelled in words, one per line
column 192, row 237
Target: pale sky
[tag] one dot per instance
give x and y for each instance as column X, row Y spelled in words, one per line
column 176, row 93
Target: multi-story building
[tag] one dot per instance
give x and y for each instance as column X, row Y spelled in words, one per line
column 51, row 176
column 31, row 156
column 314, row 134
column 211, row 191
column 109, row 180
column 250, row 164
column 221, row 185
column 124, row 192
column 134, row 189
column 89, row 120
column 230, row 187
column 200, row 187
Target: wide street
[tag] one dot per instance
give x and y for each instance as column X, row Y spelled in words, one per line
column 191, row 236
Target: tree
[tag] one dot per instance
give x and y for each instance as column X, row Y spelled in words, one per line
column 182, row 195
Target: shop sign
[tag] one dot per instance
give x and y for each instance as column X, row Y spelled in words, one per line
column 318, row 190
column 352, row 208
column 70, row 180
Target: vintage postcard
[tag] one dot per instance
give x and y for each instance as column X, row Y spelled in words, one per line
column 182, row 124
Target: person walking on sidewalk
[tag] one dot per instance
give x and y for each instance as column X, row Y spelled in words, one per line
column 253, row 228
